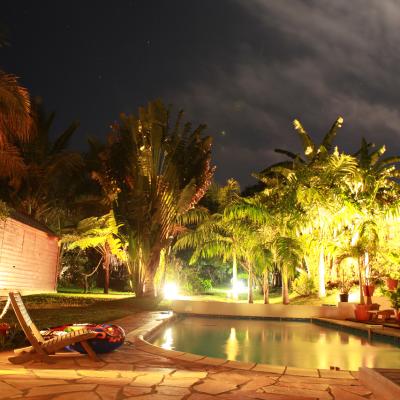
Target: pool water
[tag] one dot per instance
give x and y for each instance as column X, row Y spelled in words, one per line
column 292, row 343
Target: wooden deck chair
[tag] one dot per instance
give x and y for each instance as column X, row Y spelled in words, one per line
column 40, row 348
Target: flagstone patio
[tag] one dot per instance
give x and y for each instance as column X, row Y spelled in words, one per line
column 141, row 371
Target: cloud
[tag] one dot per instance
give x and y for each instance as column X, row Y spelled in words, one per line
column 312, row 60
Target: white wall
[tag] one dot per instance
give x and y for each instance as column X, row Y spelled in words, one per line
column 261, row 310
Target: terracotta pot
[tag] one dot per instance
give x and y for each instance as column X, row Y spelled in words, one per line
column 344, row 297
column 368, row 290
column 361, row 312
column 392, row 283
column 4, row 327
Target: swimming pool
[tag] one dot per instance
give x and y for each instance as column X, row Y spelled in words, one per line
column 292, row 343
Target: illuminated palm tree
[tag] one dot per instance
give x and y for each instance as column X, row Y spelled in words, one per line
column 275, row 224
column 229, row 239
column 316, row 184
column 102, row 234
column 153, row 172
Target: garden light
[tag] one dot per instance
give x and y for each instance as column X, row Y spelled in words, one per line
column 238, row 287
column 171, row 291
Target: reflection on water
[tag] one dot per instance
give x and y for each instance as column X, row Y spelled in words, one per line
column 298, row 344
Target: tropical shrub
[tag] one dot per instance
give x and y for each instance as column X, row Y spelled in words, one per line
column 303, row 285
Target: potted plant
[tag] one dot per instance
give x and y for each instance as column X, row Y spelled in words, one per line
column 4, row 328
column 345, row 287
column 368, row 288
column 394, row 297
column 392, row 280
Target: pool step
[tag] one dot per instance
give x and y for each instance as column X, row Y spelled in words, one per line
column 383, row 382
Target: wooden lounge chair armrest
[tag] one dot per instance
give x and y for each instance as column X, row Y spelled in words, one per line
column 69, row 338
column 27, row 349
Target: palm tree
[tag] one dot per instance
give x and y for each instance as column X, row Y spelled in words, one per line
column 102, row 234
column 227, row 238
column 48, row 188
column 15, row 126
column 153, row 172
column 316, row 183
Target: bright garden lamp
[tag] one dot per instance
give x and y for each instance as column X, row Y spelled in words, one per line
column 171, row 291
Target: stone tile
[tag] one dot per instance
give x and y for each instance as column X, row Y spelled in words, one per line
column 214, row 387
column 304, row 385
column 160, row 370
column 258, row 383
column 95, row 373
column 106, row 381
column 135, row 390
column 107, row 392
column 273, row 369
column 201, row 396
column 44, row 390
column 232, row 377
column 131, row 374
column 355, row 374
column 211, row 361
column 189, row 357
column 327, row 381
column 189, row 374
column 117, row 367
column 59, row 363
column 239, row 365
column 314, row 394
column 360, row 390
column 61, row 374
column 301, row 371
column 147, row 380
column 154, row 397
column 179, row 382
column 77, row 395
column 327, row 373
column 17, row 371
column 27, row 383
column 86, row 362
column 172, row 391
column 276, row 396
column 49, row 397
column 340, row 394
column 7, row 390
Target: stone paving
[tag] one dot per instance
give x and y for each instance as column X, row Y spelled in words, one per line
column 141, row 371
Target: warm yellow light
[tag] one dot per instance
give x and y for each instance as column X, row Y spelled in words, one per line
column 238, row 287
column 168, row 339
column 171, row 291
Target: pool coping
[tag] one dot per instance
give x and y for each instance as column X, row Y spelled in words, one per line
column 139, row 337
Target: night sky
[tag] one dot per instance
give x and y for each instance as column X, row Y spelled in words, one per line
column 245, row 68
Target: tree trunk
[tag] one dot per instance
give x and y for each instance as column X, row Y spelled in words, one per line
column 235, row 293
column 106, row 267
column 285, row 287
column 321, row 274
column 250, row 289
column 362, row 301
column 149, row 287
column 266, row 288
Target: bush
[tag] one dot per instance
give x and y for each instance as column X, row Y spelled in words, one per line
column 14, row 338
column 303, row 285
column 192, row 283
